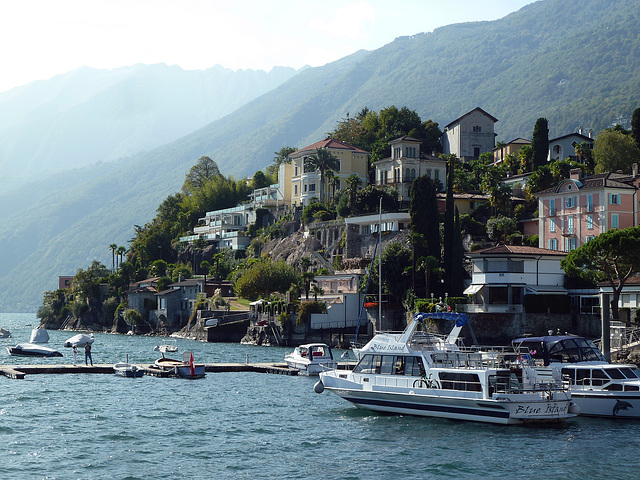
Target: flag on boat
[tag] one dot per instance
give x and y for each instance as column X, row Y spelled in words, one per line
column 192, row 368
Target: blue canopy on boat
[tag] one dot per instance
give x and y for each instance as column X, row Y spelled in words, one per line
column 460, row 318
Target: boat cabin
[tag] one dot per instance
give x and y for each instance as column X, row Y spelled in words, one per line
column 559, row 348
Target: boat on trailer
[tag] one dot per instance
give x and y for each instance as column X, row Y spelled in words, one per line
column 420, row 373
column 598, row 387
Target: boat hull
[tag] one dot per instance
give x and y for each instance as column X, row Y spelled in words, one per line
column 503, row 409
column 607, row 404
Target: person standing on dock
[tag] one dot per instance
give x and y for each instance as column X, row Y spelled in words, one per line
column 87, row 354
column 75, row 355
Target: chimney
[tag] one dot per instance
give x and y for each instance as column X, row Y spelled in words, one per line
column 575, row 173
column 634, row 170
column 590, row 133
column 580, row 129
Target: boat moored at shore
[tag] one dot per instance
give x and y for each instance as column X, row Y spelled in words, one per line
column 420, row 373
column 311, row 359
column 32, row 350
column 599, row 388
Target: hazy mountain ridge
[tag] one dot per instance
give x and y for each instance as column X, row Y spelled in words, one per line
column 90, row 115
column 574, row 62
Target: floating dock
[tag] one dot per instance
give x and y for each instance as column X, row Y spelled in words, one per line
column 19, row 371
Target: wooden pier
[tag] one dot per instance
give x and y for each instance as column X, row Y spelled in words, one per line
column 19, row 371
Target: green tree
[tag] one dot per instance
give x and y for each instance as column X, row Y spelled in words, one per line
column 204, row 169
column 613, row 151
column 281, row 156
column 424, row 216
column 259, row 180
column 428, row 265
column 613, row 256
column 322, row 161
column 540, row 142
column 113, row 247
column 635, row 126
column 499, row 228
column 265, row 277
column 584, row 152
column 457, row 279
column 86, row 282
column 449, row 221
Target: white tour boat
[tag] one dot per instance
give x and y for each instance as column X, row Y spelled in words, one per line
column 419, row 373
column 598, row 387
column 311, row 359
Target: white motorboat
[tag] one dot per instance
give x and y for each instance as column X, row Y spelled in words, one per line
column 166, row 348
column 311, row 359
column 32, row 350
column 420, row 373
column 4, row 333
column 79, row 340
column 598, row 387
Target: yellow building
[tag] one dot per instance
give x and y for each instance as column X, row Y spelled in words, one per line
column 299, row 185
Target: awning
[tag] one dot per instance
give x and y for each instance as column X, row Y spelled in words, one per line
column 471, row 289
column 545, row 290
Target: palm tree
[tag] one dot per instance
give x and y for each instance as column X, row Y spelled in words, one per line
column 501, row 146
column 121, row 251
column 322, row 161
column 113, row 247
column 353, row 184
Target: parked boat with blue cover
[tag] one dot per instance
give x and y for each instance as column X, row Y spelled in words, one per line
column 420, row 373
column 311, row 359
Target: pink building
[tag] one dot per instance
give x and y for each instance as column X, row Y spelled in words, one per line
column 579, row 209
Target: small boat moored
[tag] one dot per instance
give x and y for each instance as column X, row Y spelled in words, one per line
column 128, row 370
column 79, row 340
column 4, row 333
column 311, row 359
column 421, row 373
column 32, row 350
column 186, row 368
column 39, row 335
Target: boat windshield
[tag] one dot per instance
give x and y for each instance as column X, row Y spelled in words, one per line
column 572, row 350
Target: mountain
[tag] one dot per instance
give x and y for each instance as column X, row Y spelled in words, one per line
column 88, row 115
column 575, row 62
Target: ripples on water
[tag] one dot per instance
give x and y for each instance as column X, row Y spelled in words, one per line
column 251, row 425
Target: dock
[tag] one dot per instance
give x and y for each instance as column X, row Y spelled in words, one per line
column 19, row 371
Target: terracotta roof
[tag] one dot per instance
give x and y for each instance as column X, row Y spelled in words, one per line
column 470, row 112
column 516, row 250
column 330, row 143
column 599, row 180
column 583, row 137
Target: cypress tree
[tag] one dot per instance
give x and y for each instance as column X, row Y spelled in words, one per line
column 540, row 143
column 449, row 230
column 635, row 126
column 457, row 280
column 424, row 220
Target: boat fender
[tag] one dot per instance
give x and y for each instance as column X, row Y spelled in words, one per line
column 319, row 387
column 574, row 409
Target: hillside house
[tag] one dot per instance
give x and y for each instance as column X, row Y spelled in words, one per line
column 470, row 135
column 579, row 209
column 504, row 274
column 303, row 185
column 405, row 164
column 564, row 147
column 175, row 305
column 510, row 148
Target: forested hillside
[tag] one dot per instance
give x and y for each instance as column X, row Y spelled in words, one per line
column 575, row 62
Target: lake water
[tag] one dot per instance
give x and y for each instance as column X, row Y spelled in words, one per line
column 252, row 426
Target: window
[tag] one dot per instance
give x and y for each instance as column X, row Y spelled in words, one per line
column 570, row 225
column 552, row 244
column 570, row 202
column 552, row 206
column 295, row 171
column 312, row 187
column 436, row 174
column 570, row 244
column 589, row 203
column 614, row 220
column 476, row 152
column 552, row 225
column 295, row 189
column 588, row 238
column 477, row 129
column 589, row 222
column 614, row 199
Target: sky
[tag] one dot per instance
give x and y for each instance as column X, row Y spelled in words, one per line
column 44, row 38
